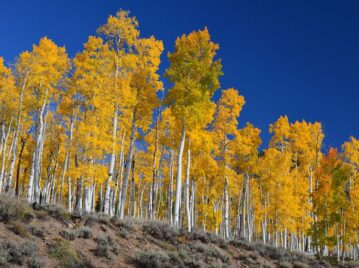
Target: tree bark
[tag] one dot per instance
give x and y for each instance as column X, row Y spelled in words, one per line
column 5, row 136
column 39, row 143
column 170, row 188
column 133, row 189
column 128, row 167
column 107, row 209
column 188, row 210
column 16, row 135
column 226, row 209
column 176, row 222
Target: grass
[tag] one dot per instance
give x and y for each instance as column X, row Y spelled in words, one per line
column 62, row 251
column 19, row 229
column 11, row 253
column 160, row 230
column 12, row 209
column 105, row 246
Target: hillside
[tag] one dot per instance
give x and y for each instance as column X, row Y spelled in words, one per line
column 49, row 237
column 129, row 127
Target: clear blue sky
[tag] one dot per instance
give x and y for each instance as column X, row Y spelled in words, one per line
column 299, row 58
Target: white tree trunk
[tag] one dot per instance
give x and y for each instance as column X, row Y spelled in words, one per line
column 119, row 177
column 16, row 136
column 88, row 199
column 39, row 142
column 111, row 169
column 78, row 207
column 193, row 205
column 226, row 210
column 154, row 172
column 188, row 211
column 176, row 222
column 5, row 136
column 133, row 190
column 30, row 189
column 243, row 232
column 69, row 194
column 128, row 168
column 170, row 189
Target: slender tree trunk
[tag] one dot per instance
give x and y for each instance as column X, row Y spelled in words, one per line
column 264, row 224
column 93, row 206
column 128, row 167
column 154, row 172
column 16, row 135
column 188, row 211
column 119, row 176
column 243, row 232
column 111, row 170
column 141, row 201
column 159, row 180
column 170, row 188
column 88, row 199
column 133, row 189
column 30, row 189
column 193, row 204
column 23, row 142
column 39, row 142
column 5, row 136
column 249, row 212
column 179, row 179
column 78, row 206
column 67, row 157
column 226, row 209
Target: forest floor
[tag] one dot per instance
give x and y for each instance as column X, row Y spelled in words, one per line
column 50, row 237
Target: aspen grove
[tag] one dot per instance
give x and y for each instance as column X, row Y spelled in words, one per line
column 99, row 133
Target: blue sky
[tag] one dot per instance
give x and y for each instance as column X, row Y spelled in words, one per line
column 298, row 58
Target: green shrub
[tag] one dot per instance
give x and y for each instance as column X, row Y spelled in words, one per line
column 105, row 245
column 68, row 235
column 91, row 219
column 61, row 251
column 128, row 224
column 10, row 253
column 19, row 229
column 124, row 233
column 3, row 255
column 285, row 265
column 205, row 237
column 84, row 232
column 34, row 262
column 208, row 250
column 28, row 248
column 160, row 230
column 151, row 259
column 37, row 232
column 298, row 264
column 57, row 212
column 12, row 209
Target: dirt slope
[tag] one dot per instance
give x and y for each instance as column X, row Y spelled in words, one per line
column 49, row 237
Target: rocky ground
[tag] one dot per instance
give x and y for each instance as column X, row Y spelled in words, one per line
column 49, row 237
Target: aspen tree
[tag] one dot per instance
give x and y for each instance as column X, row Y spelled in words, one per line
column 49, row 65
column 244, row 160
column 7, row 95
column 21, row 75
column 121, row 33
column 145, row 84
column 194, row 74
column 92, row 134
column 225, row 124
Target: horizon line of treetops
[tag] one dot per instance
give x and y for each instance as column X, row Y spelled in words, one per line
column 69, row 132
